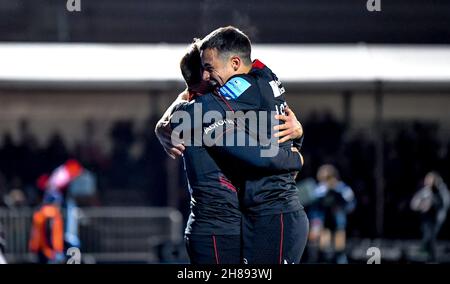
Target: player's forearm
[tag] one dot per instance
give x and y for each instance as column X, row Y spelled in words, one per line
column 285, row 160
column 163, row 128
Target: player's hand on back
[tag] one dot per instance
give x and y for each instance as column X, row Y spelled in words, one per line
column 164, row 133
column 291, row 128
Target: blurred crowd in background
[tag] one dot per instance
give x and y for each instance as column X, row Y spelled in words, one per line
column 410, row 151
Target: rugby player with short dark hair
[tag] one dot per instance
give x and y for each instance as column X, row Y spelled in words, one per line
column 213, row 232
column 275, row 226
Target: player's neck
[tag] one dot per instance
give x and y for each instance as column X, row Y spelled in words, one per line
column 244, row 69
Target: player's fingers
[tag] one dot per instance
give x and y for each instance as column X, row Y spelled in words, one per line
column 283, row 133
column 281, row 126
column 281, row 117
column 175, row 152
column 284, row 139
column 180, row 147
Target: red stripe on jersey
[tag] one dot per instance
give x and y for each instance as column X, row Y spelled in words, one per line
column 281, row 238
column 215, row 250
column 227, row 184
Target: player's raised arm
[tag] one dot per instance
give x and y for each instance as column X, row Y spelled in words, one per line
column 163, row 130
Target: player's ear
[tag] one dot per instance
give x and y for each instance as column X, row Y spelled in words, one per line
column 205, row 75
column 236, row 62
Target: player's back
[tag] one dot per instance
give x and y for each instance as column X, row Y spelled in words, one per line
column 214, row 200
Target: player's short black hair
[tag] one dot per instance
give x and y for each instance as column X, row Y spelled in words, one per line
column 191, row 65
column 229, row 40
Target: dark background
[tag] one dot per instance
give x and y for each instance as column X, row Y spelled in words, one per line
column 266, row 21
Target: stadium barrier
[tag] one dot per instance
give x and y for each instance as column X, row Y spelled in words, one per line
column 107, row 234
